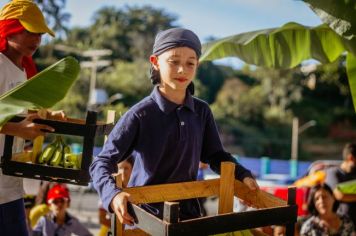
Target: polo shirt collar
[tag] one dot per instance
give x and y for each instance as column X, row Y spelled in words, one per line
column 167, row 106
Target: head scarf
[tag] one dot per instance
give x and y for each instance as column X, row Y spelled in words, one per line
column 173, row 38
column 11, row 27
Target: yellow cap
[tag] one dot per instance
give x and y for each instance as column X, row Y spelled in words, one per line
column 29, row 15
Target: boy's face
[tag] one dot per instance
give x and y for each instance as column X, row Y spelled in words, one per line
column 25, row 43
column 58, row 206
column 177, row 67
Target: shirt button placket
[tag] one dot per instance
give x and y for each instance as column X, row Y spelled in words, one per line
column 182, row 124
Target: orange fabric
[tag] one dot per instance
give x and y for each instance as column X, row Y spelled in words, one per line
column 11, row 27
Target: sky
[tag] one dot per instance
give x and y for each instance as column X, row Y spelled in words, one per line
column 206, row 18
column 217, row 18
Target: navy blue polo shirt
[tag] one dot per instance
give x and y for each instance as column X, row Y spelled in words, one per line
column 167, row 141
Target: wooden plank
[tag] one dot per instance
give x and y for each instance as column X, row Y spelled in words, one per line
column 171, row 212
column 173, row 192
column 233, row 221
column 135, row 232
column 226, row 196
column 292, row 202
column 110, row 118
column 259, row 198
column 119, row 227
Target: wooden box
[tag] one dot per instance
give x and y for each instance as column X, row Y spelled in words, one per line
column 88, row 129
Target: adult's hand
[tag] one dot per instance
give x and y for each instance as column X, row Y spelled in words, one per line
column 26, row 128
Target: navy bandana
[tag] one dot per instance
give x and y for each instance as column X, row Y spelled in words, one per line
column 173, row 38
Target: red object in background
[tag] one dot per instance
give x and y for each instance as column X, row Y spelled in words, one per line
column 58, row 191
column 301, row 197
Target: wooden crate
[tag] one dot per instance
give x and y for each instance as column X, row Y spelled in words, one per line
column 271, row 210
column 88, row 129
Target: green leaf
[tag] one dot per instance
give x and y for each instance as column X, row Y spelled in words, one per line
column 338, row 14
column 283, row 47
column 42, row 91
column 351, row 75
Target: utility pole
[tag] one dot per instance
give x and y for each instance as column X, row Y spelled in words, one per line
column 296, row 130
column 94, row 64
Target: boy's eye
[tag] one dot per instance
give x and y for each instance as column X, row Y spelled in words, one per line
column 174, row 62
column 191, row 64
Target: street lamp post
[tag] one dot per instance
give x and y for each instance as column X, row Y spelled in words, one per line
column 296, row 130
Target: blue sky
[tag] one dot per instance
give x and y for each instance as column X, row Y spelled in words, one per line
column 217, row 18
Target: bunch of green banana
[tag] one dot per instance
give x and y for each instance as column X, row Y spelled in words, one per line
column 59, row 154
column 47, row 154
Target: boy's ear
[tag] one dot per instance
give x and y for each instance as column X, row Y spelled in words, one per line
column 154, row 61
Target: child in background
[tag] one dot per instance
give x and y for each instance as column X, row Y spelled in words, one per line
column 59, row 222
column 168, row 132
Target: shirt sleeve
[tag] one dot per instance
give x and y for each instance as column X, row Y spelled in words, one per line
column 79, row 229
column 117, row 147
column 331, row 178
column 38, row 229
column 213, row 152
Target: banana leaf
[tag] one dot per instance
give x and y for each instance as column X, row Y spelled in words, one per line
column 42, row 91
column 285, row 47
column 351, row 74
column 339, row 15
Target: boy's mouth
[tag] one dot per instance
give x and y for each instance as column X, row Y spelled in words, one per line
column 182, row 79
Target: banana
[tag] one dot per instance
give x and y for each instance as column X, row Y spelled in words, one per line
column 47, row 153
column 66, row 150
column 58, row 155
column 37, row 148
column 70, row 160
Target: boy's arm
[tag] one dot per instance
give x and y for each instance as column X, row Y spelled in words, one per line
column 117, row 147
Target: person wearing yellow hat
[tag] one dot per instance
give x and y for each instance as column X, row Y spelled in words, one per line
column 21, row 27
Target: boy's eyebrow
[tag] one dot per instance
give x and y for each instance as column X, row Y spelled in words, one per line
column 172, row 56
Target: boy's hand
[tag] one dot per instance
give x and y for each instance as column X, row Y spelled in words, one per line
column 119, row 206
column 252, row 185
